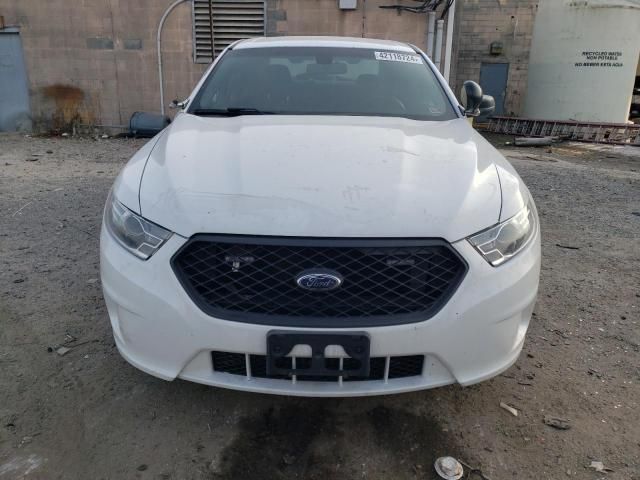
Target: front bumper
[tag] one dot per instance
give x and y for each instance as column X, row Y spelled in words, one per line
column 478, row 334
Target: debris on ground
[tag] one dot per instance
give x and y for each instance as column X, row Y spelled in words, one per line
column 535, row 142
column 599, row 467
column 541, row 158
column 594, row 372
column 70, row 343
column 62, row 351
column 509, row 409
column 473, row 471
column 448, row 468
column 568, row 247
column 557, row 422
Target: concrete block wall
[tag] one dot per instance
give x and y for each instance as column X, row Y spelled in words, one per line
column 481, row 22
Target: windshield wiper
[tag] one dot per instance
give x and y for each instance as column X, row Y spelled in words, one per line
column 230, row 112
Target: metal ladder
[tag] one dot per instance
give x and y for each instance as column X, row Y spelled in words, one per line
column 613, row 133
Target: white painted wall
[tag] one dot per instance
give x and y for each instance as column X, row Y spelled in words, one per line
column 566, row 79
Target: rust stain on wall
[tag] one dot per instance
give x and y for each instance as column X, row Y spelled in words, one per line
column 70, row 105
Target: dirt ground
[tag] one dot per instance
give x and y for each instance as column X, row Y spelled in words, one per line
column 89, row 415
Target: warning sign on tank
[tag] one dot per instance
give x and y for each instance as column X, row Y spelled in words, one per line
column 606, row 59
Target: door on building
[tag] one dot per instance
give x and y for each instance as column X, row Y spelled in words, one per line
column 15, row 114
column 493, row 80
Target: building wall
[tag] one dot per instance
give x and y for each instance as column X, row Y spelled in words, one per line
column 322, row 17
column 95, row 61
column 481, row 22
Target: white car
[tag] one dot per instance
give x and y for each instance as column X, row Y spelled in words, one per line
column 321, row 219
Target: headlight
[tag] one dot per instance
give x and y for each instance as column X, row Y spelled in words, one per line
column 134, row 233
column 498, row 244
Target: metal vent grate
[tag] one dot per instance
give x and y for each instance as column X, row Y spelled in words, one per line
column 218, row 23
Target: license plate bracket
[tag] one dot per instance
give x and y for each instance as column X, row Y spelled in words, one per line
column 280, row 343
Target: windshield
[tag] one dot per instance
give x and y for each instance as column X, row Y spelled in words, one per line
column 322, row 81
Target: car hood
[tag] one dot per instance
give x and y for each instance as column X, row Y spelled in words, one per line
column 321, row 176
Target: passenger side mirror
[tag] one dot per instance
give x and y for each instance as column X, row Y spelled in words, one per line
column 487, row 106
column 471, row 98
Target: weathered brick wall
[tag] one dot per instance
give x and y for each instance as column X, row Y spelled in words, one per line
column 480, row 22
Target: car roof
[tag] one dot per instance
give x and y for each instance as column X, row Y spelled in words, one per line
column 335, row 42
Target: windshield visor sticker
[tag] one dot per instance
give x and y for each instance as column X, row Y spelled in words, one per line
column 398, row 57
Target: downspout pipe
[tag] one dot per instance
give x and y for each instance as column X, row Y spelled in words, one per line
column 438, row 53
column 448, row 47
column 431, row 29
column 159, row 46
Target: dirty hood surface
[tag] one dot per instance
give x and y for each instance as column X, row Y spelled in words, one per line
column 321, row 176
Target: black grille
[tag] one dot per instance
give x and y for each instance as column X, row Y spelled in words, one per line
column 399, row 367
column 229, row 362
column 253, row 279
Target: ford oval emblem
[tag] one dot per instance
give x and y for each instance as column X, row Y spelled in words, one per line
column 319, row 280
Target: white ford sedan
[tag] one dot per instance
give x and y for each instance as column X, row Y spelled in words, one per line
column 321, row 219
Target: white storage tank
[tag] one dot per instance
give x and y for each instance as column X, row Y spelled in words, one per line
column 583, row 60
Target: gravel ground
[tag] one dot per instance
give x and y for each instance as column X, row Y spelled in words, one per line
column 89, row 415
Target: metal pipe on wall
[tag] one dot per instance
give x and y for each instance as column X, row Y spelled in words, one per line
column 449, row 42
column 431, row 27
column 438, row 52
column 159, row 46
